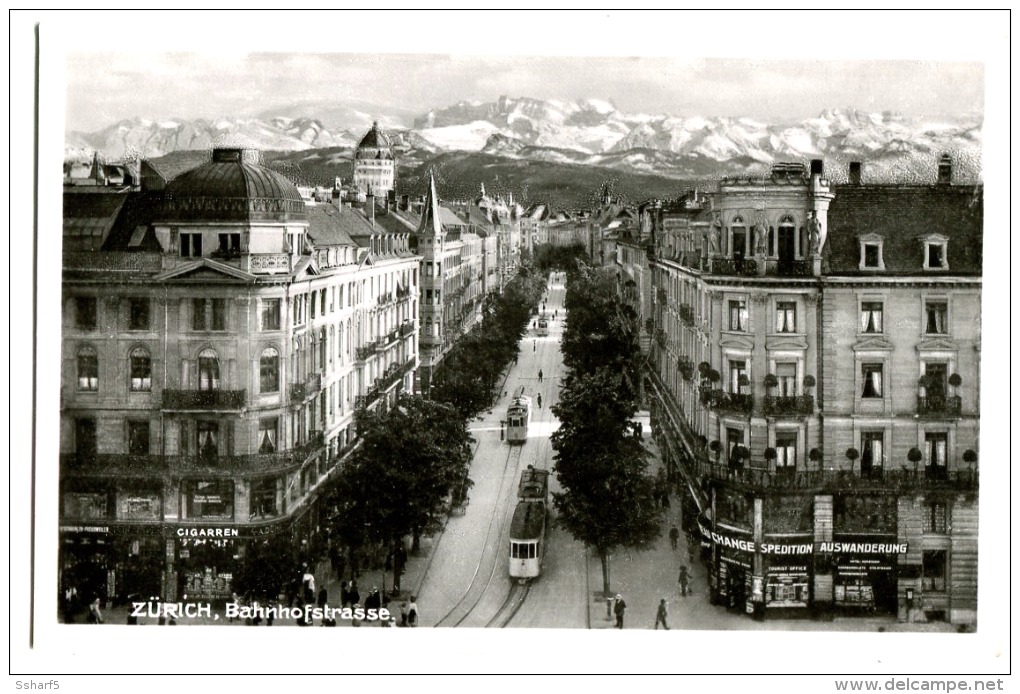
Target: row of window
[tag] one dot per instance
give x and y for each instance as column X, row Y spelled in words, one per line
column 873, row 459
column 873, row 381
column 211, row 314
column 200, row 436
column 140, row 370
column 936, row 317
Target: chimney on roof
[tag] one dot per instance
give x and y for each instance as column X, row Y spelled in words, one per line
column 391, row 200
column 945, row 170
column 817, row 167
column 370, row 206
column 405, row 203
column 856, row 173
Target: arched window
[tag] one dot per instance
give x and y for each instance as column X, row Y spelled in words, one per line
column 786, row 241
column 88, row 369
column 141, row 369
column 208, row 370
column 738, row 238
column 269, row 371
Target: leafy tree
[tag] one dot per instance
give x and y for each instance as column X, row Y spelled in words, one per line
column 608, row 498
column 599, row 330
column 412, row 459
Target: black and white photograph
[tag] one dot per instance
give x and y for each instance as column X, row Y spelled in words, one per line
column 501, row 329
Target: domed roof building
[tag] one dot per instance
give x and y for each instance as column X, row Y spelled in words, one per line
column 233, row 187
column 374, row 164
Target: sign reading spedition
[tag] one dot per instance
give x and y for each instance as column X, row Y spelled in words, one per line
column 775, row 548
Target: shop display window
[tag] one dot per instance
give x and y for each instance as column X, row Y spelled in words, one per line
column 209, row 498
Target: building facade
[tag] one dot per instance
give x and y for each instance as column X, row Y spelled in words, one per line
column 218, row 337
column 773, row 360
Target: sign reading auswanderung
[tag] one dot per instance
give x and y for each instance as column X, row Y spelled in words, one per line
column 776, row 548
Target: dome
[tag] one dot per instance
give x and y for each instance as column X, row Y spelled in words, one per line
column 374, row 139
column 232, row 188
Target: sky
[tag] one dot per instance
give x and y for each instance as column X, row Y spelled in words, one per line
column 382, row 65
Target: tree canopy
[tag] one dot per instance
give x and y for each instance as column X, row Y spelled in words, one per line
column 412, row 458
column 608, row 498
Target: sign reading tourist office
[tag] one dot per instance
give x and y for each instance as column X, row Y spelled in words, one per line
column 863, row 568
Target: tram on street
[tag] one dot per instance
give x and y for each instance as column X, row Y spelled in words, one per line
column 518, row 417
column 534, row 484
column 527, row 529
column 543, row 325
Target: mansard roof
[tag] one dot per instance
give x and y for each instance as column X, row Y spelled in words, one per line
column 903, row 216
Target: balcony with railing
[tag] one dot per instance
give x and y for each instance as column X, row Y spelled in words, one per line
column 303, row 390
column 749, row 267
column 386, row 341
column 723, row 402
column 203, row 400
column 780, row 405
column 686, row 314
column 938, row 405
column 267, row 263
column 735, row 266
column 904, row 480
column 407, row 328
column 217, row 465
column 363, row 354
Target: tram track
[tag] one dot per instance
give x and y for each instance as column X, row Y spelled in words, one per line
column 473, row 595
column 511, row 605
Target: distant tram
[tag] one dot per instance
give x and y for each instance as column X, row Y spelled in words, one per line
column 543, row 325
column 527, row 529
column 518, row 417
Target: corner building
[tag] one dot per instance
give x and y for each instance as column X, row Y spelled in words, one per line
column 218, row 337
column 767, row 382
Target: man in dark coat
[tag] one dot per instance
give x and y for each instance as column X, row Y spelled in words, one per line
column 618, row 609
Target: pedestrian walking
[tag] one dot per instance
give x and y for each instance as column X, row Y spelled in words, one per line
column 661, row 614
column 404, row 607
column 540, row 375
column 534, row 344
column 684, row 580
column 323, row 598
column 355, row 596
column 412, row 613
column 674, row 536
column 95, row 614
column 540, row 401
column 618, row 609
column 374, row 600
column 307, row 585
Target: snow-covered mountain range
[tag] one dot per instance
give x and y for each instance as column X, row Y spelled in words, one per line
column 587, row 131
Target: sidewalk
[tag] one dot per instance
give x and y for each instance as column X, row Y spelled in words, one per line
column 643, row 578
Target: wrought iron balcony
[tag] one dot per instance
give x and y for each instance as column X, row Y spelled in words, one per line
column 938, row 405
column 734, row 266
column 204, row 400
column 406, row 328
column 306, row 389
column 778, row 405
column 157, row 465
column 738, row 403
column 761, row 478
column 364, row 353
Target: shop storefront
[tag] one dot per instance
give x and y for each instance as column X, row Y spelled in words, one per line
column 865, row 573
